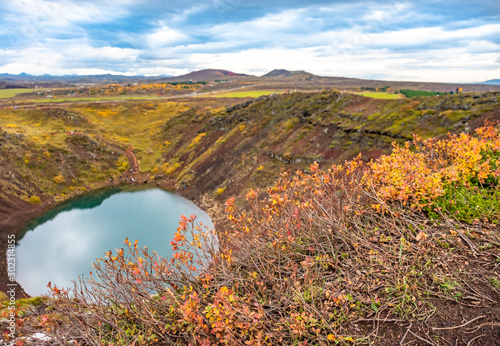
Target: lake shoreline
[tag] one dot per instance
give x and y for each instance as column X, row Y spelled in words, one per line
column 21, row 213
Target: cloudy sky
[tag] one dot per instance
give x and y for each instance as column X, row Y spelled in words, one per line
column 426, row 40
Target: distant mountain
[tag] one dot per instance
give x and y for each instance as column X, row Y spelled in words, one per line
column 286, row 73
column 104, row 78
column 491, row 82
column 205, row 75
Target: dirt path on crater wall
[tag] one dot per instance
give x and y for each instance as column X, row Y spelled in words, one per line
column 129, row 153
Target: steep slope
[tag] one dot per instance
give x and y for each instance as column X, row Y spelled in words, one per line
column 211, row 146
column 250, row 143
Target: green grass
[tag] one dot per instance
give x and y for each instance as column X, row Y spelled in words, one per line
column 8, row 93
column 255, row 93
column 380, row 95
column 413, row 93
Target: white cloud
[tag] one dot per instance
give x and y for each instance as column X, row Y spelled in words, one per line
column 184, row 15
column 390, row 12
column 67, row 57
column 31, row 22
column 164, row 36
column 269, row 28
column 65, row 11
column 346, row 39
column 430, row 35
column 394, row 66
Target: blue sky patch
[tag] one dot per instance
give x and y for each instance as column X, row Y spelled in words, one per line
column 419, row 40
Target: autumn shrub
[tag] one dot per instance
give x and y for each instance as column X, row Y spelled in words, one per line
column 169, row 169
column 122, row 164
column 458, row 175
column 196, row 140
column 290, row 123
column 34, row 200
column 220, row 190
column 59, row 179
column 320, row 255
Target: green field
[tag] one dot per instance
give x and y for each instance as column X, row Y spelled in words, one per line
column 413, row 93
column 380, row 95
column 255, row 93
column 8, row 93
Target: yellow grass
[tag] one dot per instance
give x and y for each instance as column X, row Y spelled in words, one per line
column 8, row 93
column 380, row 95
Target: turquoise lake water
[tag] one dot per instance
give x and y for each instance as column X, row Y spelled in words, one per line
column 63, row 243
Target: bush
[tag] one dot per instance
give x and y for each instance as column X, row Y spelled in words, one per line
column 169, row 169
column 290, row 123
column 455, row 175
column 122, row 164
column 35, row 200
column 321, row 251
column 196, row 140
column 59, row 179
column 220, row 191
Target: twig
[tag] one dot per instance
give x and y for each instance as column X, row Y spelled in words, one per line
column 376, row 288
column 404, row 336
column 474, row 250
column 477, row 337
column 420, row 338
column 449, row 343
column 483, row 325
column 484, row 297
column 376, row 320
column 460, row 326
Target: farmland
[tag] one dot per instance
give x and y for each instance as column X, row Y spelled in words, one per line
column 413, row 93
column 8, row 93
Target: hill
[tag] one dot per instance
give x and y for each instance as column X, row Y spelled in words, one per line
column 5, row 85
column 280, row 78
column 104, row 78
column 286, row 73
column 492, row 82
column 204, row 75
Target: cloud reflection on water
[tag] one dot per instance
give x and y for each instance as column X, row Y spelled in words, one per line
column 64, row 247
